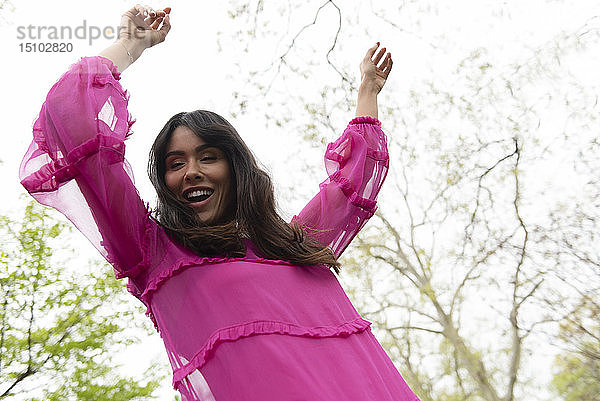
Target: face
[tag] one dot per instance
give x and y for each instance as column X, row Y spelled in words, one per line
column 198, row 175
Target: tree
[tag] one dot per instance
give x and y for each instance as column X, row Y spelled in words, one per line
column 59, row 325
column 484, row 237
column 579, row 376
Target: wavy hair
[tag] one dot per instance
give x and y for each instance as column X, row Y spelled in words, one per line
column 254, row 214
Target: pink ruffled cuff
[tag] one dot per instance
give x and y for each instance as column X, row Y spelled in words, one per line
column 49, row 177
column 111, row 66
column 365, row 120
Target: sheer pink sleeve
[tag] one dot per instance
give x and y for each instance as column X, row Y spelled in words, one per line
column 76, row 164
column 357, row 164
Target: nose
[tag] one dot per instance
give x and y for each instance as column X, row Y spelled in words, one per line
column 193, row 173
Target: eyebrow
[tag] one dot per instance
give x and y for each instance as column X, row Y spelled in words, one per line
column 198, row 149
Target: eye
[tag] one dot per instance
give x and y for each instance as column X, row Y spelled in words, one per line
column 175, row 165
column 208, row 159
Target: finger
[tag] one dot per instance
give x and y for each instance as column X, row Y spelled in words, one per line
column 155, row 17
column 379, row 56
column 167, row 10
column 152, row 19
column 145, row 15
column 385, row 62
column 141, row 11
column 160, row 35
column 156, row 23
column 371, row 51
column 150, row 10
column 388, row 67
column 166, row 26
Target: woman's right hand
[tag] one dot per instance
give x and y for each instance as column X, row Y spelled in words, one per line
column 141, row 27
column 375, row 71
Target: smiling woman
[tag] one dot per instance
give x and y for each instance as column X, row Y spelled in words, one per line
column 197, row 174
column 246, row 303
column 242, row 204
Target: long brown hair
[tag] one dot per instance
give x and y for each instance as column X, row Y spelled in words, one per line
column 254, row 209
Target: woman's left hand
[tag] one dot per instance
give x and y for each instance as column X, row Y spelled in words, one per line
column 373, row 70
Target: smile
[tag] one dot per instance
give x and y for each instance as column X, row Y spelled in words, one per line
column 198, row 195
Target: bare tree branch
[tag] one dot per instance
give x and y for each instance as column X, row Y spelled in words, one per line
column 416, row 328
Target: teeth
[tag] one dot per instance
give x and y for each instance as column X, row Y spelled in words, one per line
column 198, row 192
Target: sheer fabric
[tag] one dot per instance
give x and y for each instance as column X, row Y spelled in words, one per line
column 234, row 328
column 357, row 164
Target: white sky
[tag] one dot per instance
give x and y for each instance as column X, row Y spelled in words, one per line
column 186, row 72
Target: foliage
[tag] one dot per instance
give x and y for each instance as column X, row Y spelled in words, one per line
column 578, row 378
column 60, row 322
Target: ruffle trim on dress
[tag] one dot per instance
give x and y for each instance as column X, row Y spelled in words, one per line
column 260, row 327
column 376, row 154
column 49, row 177
column 101, row 79
column 107, row 62
column 339, row 157
column 379, row 155
column 183, row 263
column 367, row 204
column 365, row 120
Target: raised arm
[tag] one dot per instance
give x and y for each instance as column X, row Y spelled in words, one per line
column 76, row 162
column 373, row 77
column 356, row 164
column 139, row 30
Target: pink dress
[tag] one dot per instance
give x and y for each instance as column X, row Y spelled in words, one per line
column 234, row 328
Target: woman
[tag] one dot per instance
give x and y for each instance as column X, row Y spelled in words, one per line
column 246, row 303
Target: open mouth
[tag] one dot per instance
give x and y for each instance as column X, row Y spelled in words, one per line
column 198, row 195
